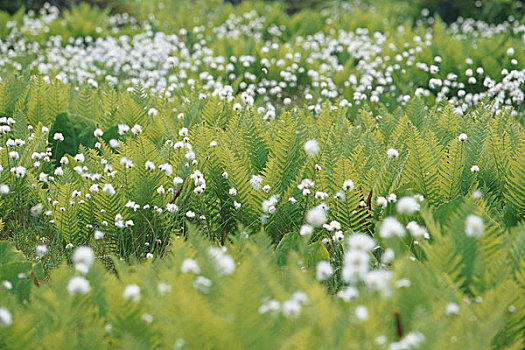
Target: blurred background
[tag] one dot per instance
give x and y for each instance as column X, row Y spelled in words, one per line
column 493, row 11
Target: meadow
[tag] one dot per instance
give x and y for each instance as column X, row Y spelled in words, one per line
column 197, row 175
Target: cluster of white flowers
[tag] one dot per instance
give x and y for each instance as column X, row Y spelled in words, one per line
column 180, row 63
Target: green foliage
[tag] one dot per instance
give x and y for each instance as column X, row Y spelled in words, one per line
column 173, row 309
column 273, row 207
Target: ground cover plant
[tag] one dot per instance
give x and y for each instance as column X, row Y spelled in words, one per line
column 197, row 175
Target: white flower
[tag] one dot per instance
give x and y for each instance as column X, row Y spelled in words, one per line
column 378, row 280
column 223, row 262
column 37, row 209
column 311, row 147
column 338, row 237
column 43, row 177
column 361, row 313
column 4, row 190
column 78, row 286
column 268, row 205
column 348, row 185
column 149, row 165
column 83, row 258
column 19, row 171
column 232, row 192
column 183, row 132
column 388, row 256
column 415, row 230
column 58, row 137
column 136, row 129
column 190, row 214
column 113, row 143
column 122, row 129
column 462, row 137
column 391, row 228
column 80, row 158
column 7, row 285
column 316, row 216
column 323, row 270
column 41, row 250
column 306, row 230
column 59, row 171
column 202, row 284
column 291, row 308
column 14, row 155
column 361, row 241
column 255, row 181
column 452, row 309
column 98, row 235
column 407, row 206
column 474, row 168
column 392, row 198
column 98, row 133
column 5, row 317
column 355, row 265
column 132, row 293
column 163, row 288
column 190, row 266
column 166, row 168
column 348, row 293
column 392, row 153
column 510, row 51
column 93, row 188
column 108, row 188
column 171, row 208
column 152, row 112
column 213, row 143
column 474, row 226
column 270, row 306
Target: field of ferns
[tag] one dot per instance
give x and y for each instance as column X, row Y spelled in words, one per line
column 189, row 174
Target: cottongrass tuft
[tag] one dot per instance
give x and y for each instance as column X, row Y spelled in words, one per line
column 78, row 286
column 6, row 319
column 132, row 293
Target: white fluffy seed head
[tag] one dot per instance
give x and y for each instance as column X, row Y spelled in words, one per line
column 98, row 235
column 190, row 266
column 361, row 241
column 391, row 228
column 462, row 137
column 474, row 226
column 392, row 153
column 311, row 147
column 41, row 250
column 78, row 286
column 132, row 293
column 316, row 217
column 5, row 317
column 452, row 309
column 407, row 206
column 83, row 258
column 348, row 185
column 323, row 271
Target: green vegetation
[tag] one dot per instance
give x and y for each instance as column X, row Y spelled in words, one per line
column 196, row 175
